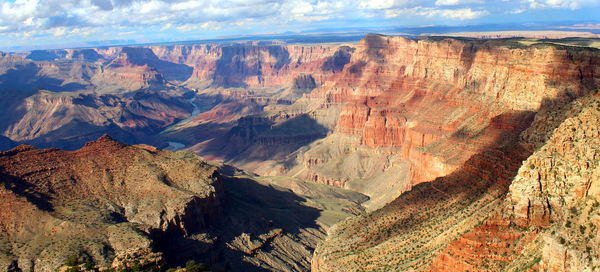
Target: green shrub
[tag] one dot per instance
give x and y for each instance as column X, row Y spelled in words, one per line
column 89, row 265
column 72, row 261
column 192, row 266
column 582, row 229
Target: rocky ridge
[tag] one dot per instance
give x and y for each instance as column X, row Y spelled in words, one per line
column 103, row 202
column 120, row 206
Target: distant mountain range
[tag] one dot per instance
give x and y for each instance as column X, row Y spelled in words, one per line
column 335, row 34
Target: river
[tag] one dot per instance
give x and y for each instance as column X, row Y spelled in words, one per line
column 177, row 145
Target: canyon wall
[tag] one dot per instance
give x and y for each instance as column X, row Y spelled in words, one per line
column 433, row 130
column 51, row 91
column 548, row 220
column 252, row 66
column 426, row 106
column 476, row 116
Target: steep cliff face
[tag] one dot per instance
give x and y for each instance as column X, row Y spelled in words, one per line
column 271, row 75
column 546, row 222
column 55, row 207
column 67, row 120
column 433, row 104
column 457, row 125
column 256, row 65
column 553, row 230
column 557, row 188
column 561, row 172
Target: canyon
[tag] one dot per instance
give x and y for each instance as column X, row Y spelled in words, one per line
column 390, row 154
column 117, row 206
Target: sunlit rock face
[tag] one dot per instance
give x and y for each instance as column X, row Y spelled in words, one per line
column 464, row 112
column 257, row 65
column 432, row 104
column 106, row 201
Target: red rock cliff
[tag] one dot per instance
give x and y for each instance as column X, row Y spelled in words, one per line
column 257, row 65
column 436, row 103
column 464, row 111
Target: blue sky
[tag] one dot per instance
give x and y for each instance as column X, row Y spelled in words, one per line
column 46, row 22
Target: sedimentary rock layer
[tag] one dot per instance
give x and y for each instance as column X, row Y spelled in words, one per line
column 433, row 104
column 550, row 201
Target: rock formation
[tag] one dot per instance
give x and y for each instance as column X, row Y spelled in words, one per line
column 106, row 80
column 120, row 206
column 103, row 201
column 483, row 228
column 424, row 107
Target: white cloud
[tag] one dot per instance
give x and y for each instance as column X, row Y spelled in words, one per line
column 564, row 4
column 452, row 14
column 62, row 17
column 376, row 4
column 187, row 5
column 457, row 2
column 205, row 25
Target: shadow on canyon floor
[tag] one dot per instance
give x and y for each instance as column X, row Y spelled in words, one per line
column 250, row 208
column 258, row 139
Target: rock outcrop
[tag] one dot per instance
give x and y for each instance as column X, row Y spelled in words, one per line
column 105, row 200
column 543, row 224
column 563, row 170
column 115, row 205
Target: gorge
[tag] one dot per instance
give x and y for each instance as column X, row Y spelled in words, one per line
column 390, row 154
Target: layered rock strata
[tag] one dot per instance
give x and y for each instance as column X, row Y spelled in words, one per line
column 426, row 106
column 549, row 191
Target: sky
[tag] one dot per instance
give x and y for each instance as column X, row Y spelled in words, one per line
column 46, row 22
